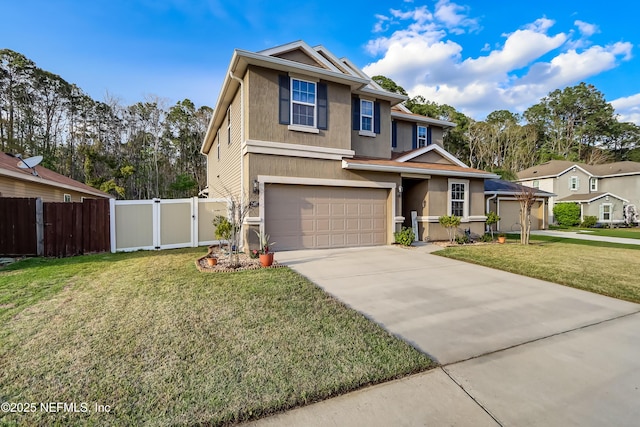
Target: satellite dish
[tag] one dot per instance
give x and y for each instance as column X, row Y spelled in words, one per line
column 29, row 163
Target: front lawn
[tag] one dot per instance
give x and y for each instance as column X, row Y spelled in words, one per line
column 160, row 343
column 600, row 267
column 628, row 233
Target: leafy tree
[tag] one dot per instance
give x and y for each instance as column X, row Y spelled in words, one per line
column 387, row 84
column 451, row 223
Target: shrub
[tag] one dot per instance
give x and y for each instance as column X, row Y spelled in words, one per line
column 486, row 237
column 405, row 237
column 223, row 226
column 567, row 214
column 589, row 221
column 461, row 239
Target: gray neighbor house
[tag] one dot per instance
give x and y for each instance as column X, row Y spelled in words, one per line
column 328, row 157
column 601, row 190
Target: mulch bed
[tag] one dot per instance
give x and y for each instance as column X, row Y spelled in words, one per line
column 224, row 262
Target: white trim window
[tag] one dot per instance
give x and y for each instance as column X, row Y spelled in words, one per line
column 606, row 211
column 536, row 183
column 458, row 198
column 66, row 198
column 422, row 136
column 593, row 184
column 366, row 115
column 303, row 102
column 574, row 183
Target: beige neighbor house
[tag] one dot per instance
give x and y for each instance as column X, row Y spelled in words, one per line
column 41, row 182
column 601, row 190
column 331, row 158
column 502, row 197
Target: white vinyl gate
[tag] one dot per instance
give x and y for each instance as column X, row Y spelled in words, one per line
column 164, row 223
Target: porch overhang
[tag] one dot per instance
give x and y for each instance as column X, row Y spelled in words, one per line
column 415, row 169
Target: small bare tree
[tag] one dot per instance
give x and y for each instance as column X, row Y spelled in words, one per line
column 527, row 198
column 239, row 208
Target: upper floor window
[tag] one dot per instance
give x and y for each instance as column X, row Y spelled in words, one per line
column 536, row 183
column 422, row 136
column 574, row 183
column 303, row 103
column 593, row 184
column 366, row 115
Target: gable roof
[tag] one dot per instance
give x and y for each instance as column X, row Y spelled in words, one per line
column 433, row 147
column 589, row 197
column 500, row 186
column 9, row 167
column 328, row 67
column 555, row 168
column 394, row 166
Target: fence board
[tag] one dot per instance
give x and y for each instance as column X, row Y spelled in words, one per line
column 18, row 226
column 96, row 236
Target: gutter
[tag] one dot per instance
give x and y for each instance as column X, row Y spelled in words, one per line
column 241, row 83
column 490, row 198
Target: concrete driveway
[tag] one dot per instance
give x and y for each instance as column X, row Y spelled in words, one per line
column 515, row 350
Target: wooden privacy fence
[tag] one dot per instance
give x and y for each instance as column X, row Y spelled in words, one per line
column 31, row 227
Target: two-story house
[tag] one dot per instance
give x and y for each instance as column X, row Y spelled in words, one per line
column 331, row 158
column 601, row 190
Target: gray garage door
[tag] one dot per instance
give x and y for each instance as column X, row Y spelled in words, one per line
column 307, row 217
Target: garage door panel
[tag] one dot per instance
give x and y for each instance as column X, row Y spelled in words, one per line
column 299, row 216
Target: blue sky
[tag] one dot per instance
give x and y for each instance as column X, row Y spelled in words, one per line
column 478, row 56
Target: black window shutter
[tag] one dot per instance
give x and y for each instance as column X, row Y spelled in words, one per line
column 323, row 107
column 429, row 136
column 284, row 100
column 414, row 136
column 355, row 112
column 394, row 134
column 376, row 117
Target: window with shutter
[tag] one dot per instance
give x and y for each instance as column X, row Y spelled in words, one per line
column 303, row 105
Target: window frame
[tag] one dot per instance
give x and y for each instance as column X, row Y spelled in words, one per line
column 66, row 197
column 422, row 141
column 609, row 213
column 536, row 183
column 369, row 116
column 292, row 102
column 593, row 184
column 464, row 200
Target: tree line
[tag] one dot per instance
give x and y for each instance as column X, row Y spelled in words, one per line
column 149, row 149
column 575, row 123
column 140, row 151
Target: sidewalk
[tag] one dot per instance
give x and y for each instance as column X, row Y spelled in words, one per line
column 584, row 235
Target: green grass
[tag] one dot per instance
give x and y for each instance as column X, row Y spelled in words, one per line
column 161, row 343
column 600, row 267
column 628, row 233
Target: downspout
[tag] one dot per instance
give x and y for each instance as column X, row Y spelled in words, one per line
column 241, row 144
column 487, row 207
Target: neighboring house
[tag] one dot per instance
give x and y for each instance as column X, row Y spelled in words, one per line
column 332, row 159
column 41, row 182
column 600, row 190
column 502, row 198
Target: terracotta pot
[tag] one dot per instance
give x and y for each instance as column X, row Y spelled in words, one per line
column 502, row 239
column 212, row 261
column 266, row 259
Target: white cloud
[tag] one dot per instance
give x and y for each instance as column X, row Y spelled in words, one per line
column 628, row 108
column 586, row 29
column 532, row 61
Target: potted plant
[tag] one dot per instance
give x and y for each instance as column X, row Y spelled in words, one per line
column 212, row 260
column 264, row 253
column 502, row 238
